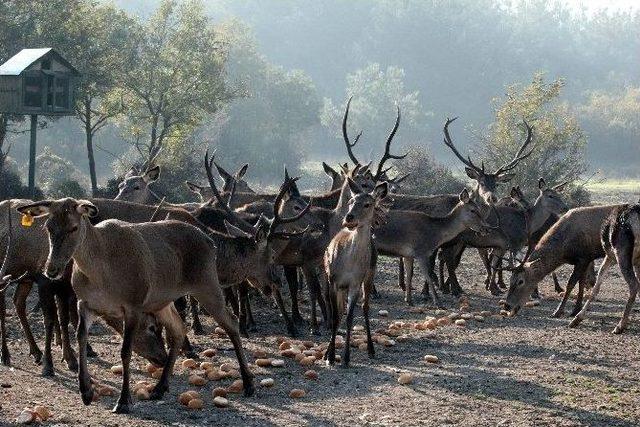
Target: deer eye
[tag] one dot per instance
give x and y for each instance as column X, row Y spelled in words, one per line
column 74, row 229
column 367, row 205
column 137, row 187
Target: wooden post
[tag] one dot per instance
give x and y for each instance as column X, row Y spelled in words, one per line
column 32, row 156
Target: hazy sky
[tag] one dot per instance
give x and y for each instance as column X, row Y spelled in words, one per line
column 592, row 5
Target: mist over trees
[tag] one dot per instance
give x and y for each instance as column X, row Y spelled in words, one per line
column 266, row 82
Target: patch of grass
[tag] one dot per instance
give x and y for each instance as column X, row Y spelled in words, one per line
column 624, row 185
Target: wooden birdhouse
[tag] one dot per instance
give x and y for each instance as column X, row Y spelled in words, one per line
column 38, row 81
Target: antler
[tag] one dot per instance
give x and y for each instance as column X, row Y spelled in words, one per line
column 278, row 220
column 345, row 135
column 153, row 155
column 233, row 216
column 387, row 148
column 519, row 156
column 449, row 143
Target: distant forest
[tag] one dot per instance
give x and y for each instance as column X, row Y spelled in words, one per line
column 293, row 63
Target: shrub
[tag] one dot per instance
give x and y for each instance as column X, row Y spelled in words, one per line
column 427, row 175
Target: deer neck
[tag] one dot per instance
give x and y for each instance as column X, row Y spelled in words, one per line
column 537, row 215
column 89, row 253
column 541, row 263
column 450, row 226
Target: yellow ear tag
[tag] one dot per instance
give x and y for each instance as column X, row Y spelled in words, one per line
column 27, row 220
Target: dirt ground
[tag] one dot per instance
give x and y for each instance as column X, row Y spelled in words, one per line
column 530, row 370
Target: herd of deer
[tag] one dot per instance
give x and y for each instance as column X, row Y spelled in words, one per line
column 133, row 261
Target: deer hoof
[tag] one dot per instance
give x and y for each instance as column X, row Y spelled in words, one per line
column 91, row 352
column 72, row 364
column 6, row 360
column 121, row 408
column 47, row 371
column 575, row 322
column 558, row 314
column 249, row 389
column 37, row 356
column 87, row 397
column 618, row 329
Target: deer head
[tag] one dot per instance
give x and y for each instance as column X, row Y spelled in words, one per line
column 66, row 225
column 550, row 198
column 365, row 209
column 487, row 182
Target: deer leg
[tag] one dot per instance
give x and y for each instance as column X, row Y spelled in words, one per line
column 251, row 322
column 493, row 269
column 277, row 296
column 484, row 257
column 442, row 284
column 291, row 274
column 365, row 312
column 64, row 298
column 351, row 305
column 453, row 255
column 581, row 286
column 315, row 297
column 624, row 255
column 20, row 303
column 427, row 265
column 573, row 279
column 231, row 298
column 5, row 357
column 556, row 283
column 85, row 319
column 176, row 329
column 408, row 267
column 213, row 301
column 242, row 315
column 130, row 325
column 336, row 313
column 47, row 301
column 401, row 273
column 196, row 325
column 606, row 264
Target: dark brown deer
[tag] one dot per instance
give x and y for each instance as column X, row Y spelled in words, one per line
column 132, row 269
column 350, row 263
column 620, row 239
column 575, row 240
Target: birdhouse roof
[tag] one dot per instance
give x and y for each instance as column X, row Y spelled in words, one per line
column 26, row 57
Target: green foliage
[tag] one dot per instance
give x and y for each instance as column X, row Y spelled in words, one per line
column 53, row 173
column 174, row 76
column 268, row 126
column 67, row 188
column 558, row 141
column 376, row 93
column 612, row 121
column 427, row 175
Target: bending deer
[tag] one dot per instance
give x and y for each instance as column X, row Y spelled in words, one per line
column 574, row 239
column 620, row 239
column 350, row 263
column 123, row 269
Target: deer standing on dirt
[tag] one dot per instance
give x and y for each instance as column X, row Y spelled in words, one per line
column 26, row 257
column 350, row 263
column 620, row 239
column 574, row 239
column 123, row 269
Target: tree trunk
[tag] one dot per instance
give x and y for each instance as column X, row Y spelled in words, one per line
column 89, row 137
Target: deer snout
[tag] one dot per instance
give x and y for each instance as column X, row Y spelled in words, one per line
column 52, row 272
column 349, row 218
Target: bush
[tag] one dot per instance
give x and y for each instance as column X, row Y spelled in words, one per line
column 427, row 175
column 67, row 188
column 110, row 190
column 13, row 188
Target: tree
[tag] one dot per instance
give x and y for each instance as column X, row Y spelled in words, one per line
column 558, row 141
column 103, row 36
column 174, row 76
column 376, row 93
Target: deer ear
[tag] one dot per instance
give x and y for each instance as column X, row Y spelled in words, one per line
column 131, row 172
column 542, row 184
column 223, row 173
column 242, row 171
column 151, row 175
column 87, row 208
column 36, row 209
column 464, row 196
column 329, row 170
column 381, row 190
column 472, row 173
column 193, row 187
column 560, row 187
column 234, row 231
column 353, row 186
column 505, row 177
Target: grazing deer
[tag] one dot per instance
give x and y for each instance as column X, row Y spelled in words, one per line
column 620, row 239
column 31, row 245
column 574, row 239
column 416, row 235
column 350, row 263
column 123, row 269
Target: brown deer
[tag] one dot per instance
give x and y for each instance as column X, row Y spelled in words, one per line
column 575, row 240
column 620, row 236
column 230, row 181
column 32, row 246
column 132, row 269
column 416, row 235
column 350, row 262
